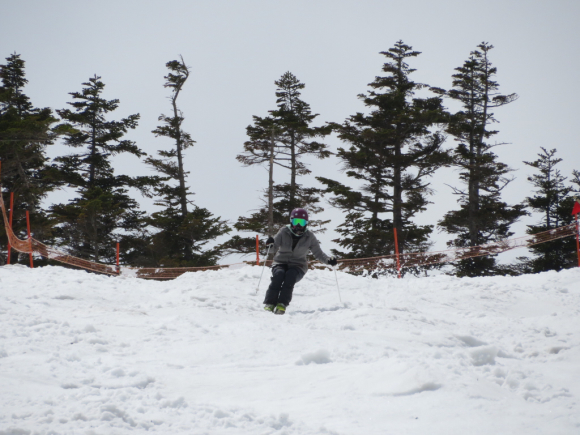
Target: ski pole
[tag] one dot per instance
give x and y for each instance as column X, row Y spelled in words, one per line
column 263, row 267
column 337, row 287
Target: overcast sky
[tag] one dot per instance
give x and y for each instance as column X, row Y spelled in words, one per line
column 237, row 49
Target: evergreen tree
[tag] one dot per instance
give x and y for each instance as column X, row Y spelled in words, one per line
column 24, row 136
column 554, row 201
column 297, row 138
column 102, row 213
column 393, row 150
column 576, row 183
column 483, row 217
column 183, row 229
column 282, row 139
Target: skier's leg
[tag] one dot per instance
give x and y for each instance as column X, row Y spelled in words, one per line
column 278, row 273
column 293, row 275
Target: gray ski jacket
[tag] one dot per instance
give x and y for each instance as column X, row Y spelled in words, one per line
column 297, row 258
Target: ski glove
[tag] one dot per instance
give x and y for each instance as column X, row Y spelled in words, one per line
column 332, row 261
column 270, row 242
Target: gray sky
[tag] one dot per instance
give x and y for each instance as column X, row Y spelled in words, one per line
column 237, row 49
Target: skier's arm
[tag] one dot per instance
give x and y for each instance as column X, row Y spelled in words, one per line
column 277, row 242
column 317, row 251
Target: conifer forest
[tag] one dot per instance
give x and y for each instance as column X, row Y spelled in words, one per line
column 388, row 156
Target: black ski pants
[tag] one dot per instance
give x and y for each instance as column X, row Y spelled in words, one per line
column 282, row 284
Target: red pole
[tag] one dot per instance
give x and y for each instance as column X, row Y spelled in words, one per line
column 10, row 224
column 118, row 268
column 257, row 250
column 397, row 252
column 578, row 239
column 29, row 238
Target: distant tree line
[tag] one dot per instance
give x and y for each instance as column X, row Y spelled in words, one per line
column 391, row 152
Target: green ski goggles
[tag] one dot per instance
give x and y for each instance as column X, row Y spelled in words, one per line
column 299, row 222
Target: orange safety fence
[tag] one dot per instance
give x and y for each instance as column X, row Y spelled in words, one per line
column 34, row 246
column 414, row 259
column 356, row 265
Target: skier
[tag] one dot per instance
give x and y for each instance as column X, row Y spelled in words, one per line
column 291, row 246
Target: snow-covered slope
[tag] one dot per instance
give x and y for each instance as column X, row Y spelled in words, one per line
column 88, row 354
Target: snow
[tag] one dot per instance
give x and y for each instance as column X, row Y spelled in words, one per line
column 82, row 353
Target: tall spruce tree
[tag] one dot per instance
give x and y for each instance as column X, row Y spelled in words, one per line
column 554, row 201
column 283, row 140
column 102, row 212
column 483, row 217
column 393, row 151
column 25, row 134
column 183, row 228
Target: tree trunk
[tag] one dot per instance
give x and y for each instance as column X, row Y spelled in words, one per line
column 473, row 187
column 397, row 186
column 293, row 172
column 271, row 189
column 548, row 197
column 93, row 154
column 398, row 199
column 474, row 181
column 179, row 146
column 473, row 204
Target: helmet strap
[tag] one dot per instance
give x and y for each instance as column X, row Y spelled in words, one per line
column 297, row 235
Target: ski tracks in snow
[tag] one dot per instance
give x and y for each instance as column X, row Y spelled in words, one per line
column 83, row 353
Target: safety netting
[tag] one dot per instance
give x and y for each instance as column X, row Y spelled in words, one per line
column 355, row 265
column 416, row 259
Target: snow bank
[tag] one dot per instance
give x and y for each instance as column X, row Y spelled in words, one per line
column 90, row 354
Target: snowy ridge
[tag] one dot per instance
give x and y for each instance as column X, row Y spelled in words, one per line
column 89, row 354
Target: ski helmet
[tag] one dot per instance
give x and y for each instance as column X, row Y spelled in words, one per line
column 299, row 213
column 298, row 221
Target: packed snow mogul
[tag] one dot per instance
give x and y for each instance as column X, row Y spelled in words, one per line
column 291, row 246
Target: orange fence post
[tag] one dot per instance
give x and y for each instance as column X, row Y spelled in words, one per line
column 29, row 238
column 257, row 250
column 575, row 212
column 578, row 239
column 118, row 268
column 11, row 208
column 397, row 252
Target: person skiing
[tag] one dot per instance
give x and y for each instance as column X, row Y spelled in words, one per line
column 291, row 246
